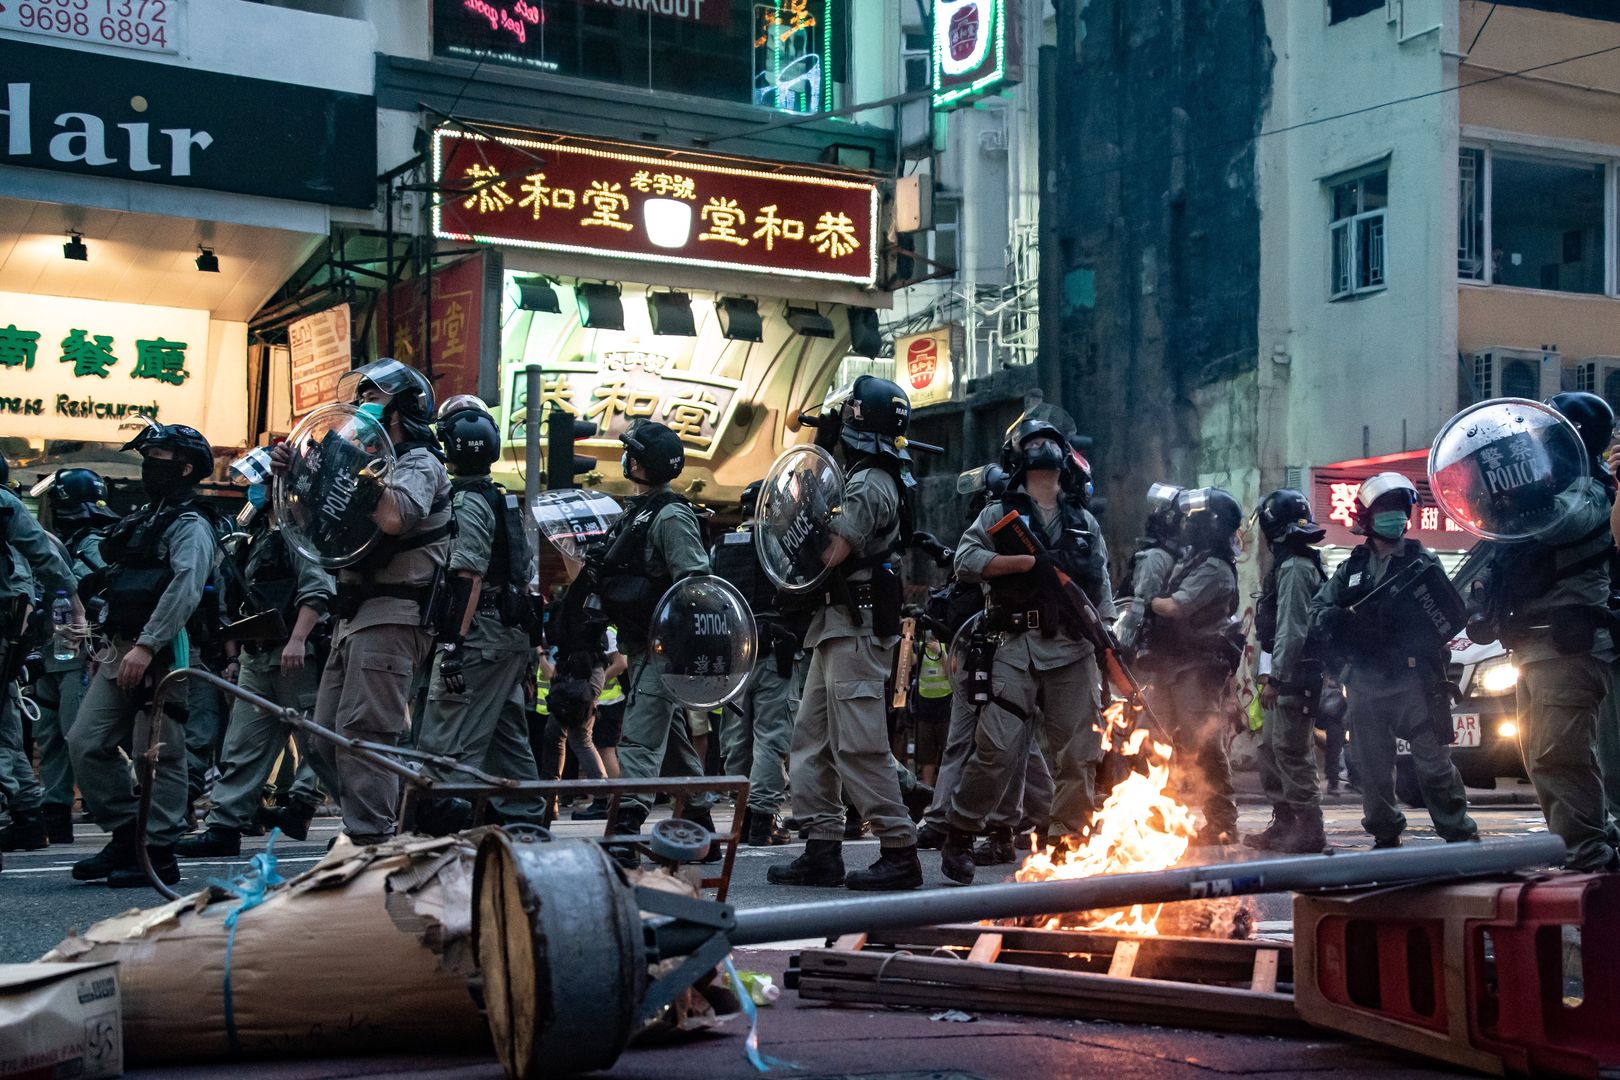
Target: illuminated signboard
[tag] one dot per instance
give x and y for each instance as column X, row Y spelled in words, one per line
column 922, row 363
column 1333, row 501
column 564, row 194
column 976, row 49
column 87, row 370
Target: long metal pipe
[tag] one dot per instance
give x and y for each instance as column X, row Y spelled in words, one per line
column 1013, row 900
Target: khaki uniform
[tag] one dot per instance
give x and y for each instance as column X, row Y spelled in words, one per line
column 1287, row 733
column 28, row 552
column 60, row 687
column 1027, row 802
column 486, row 725
column 253, row 741
column 365, row 691
column 1150, row 573
column 1190, row 695
column 1386, row 703
column 1041, row 673
column 755, row 739
column 1560, row 695
column 106, row 719
column 654, row 724
column 841, row 733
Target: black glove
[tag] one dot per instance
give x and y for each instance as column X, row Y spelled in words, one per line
column 450, row 665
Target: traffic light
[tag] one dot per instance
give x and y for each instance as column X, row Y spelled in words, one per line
column 562, row 464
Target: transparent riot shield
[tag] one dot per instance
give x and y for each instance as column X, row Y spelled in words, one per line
column 326, row 501
column 573, row 519
column 957, row 658
column 702, row 641
column 1502, row 469
column 797, row 500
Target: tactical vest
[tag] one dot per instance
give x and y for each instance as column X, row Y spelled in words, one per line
column 1265, row 610
column 387, row 548
column 626, row 585
column 1127, row 587
column 508, row 563
column 737, row 560
column 1372, row 638
column 270, row 578
column 1014, row 594
column 137, row 575
column 1214, row 635
column 1524, row 572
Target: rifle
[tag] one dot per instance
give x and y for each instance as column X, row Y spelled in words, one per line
column 1012, row 536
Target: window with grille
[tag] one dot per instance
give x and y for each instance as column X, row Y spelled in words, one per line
column 1357, row 234
column 1471, row 214
column 1535, row 219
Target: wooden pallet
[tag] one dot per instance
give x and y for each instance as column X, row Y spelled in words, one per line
column 1209, row 983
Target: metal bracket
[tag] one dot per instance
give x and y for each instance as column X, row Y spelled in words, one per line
column 693, row 968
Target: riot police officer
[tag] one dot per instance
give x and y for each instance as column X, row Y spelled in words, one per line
column 75, row 509
column 1395, row 674
column 1152, row 562
column 1042, row 664
column 755, row 735
column 475, row 705
column 655, row 544
column 26, row 555
column 1190, row 648
column 289, row 596
column 841, row 733
column 159, row 560
column 1283, row 623
column 389, row 603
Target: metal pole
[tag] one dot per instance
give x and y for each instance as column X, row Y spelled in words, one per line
column 532, row 420
column 1312, row 872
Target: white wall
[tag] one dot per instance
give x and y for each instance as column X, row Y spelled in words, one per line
column 1386, row 361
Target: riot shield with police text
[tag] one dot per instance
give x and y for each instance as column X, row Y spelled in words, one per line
column 793, row 526
column 572, row 519
column 1501, row 468
column 326, row 501
column 702, row 641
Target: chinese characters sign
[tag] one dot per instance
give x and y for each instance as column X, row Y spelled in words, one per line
column 976, row 49
column 629, row 385
column 80, row 369
column 922, row 365
column 321, row 354
column 455, row 329
column 592, row 199
column 1333, row 500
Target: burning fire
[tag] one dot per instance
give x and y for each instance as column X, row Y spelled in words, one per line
column 1141, row 827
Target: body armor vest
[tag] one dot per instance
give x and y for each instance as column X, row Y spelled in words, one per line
column 737, row 560
column 1075, row 554
column 136, row 573
column 627, row 587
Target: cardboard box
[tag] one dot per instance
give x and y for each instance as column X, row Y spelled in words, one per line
column 60, row 1020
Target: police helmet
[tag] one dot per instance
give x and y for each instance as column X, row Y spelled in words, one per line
column 1164, row 513
column 1286, row 513
column 749, row 501
column 469, row 435
column 409, row 393
column 1392, row 489
column 656, row 448
column 1592, row 417
column 1022, row 431
column 186, row 443
column 1212, row 518
column 873, row 415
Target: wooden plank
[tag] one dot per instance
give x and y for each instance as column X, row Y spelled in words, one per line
column 1199, row 953
column 1124, row 961
column 850, row 943
column 985, row 949
column 1265, row 972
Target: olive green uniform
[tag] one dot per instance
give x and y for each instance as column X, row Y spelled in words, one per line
column 1044, row 673
column 1150, row 573
column 757, row 734
column 254, row 740
column 106, row 718
column 485, row 725
column 1387, row 701
column 841, row 733
column 1560, row 694
column 30, row 553
column 60, row 687
column 365, row 691
column 654, row 724
column 1287, row 732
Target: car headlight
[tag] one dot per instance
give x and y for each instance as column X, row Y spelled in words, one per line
column 1494, row 678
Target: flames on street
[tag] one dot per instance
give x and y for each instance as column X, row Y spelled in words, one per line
column 1141, row 827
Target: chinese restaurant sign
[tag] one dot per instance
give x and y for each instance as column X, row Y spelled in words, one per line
column 455, row 330
column 601, row 200
column 628, row 385
column 976, row 49
column 86, row 369
column 321, row 353
column 922, row 364
column 1333, row 502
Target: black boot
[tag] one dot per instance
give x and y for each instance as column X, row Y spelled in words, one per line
column 628, row 823
column 164, row 864
column 1306, row 836
column 214, row 842
column 930, row 837
column 996, row 849
column 58, row 822
column 706, row 820
column 764, row 832
column 438, row 815
column 854, row 827
column 25, row 833
column 956, row 857
column 1282, row 823
column 293, row 819
column 822, row 864
column 895, row 869
column 117, row 855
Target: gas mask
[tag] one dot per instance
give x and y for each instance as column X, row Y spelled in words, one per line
column 1042, row 455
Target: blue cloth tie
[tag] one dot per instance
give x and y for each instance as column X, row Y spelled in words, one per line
column 251, row 888
column 762, row 1062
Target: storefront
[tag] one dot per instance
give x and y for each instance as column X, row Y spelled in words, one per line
column 1333, row 500
column 714, row 294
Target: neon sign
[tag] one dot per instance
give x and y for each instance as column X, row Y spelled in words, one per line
column 976, row 49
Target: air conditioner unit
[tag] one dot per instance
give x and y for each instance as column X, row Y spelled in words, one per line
column 1522, row 373
column 1598, row 375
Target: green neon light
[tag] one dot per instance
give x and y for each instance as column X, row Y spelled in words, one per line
column 942, row 98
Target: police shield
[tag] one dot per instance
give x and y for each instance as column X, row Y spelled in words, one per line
column 702, row 641
column 800, row 494
column 326, row 501
column 573, row 519
column 1500, row 468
